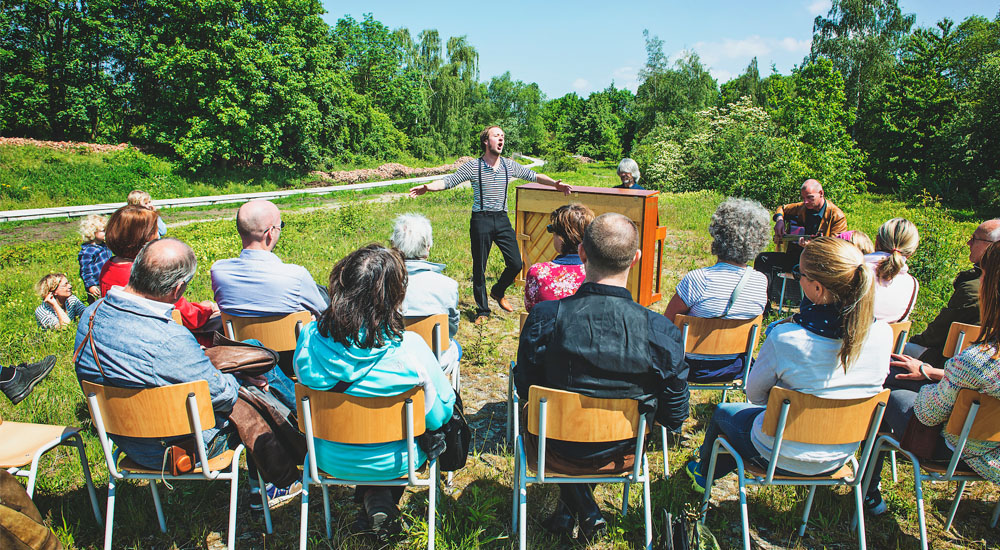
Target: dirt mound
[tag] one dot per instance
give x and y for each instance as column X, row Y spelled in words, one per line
column 65, row 145
column 388, row 171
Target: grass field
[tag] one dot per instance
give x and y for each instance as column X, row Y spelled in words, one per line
column 475, row 512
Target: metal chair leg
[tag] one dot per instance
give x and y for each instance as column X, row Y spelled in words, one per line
column 921, row 518
column 435, row 476
column 304, row 514
column 234, row 471
column 110, row 519
column 860, row 507
column 666, row 448
column 954, row 504
column 265, row 504
column 805, row 513
column 744, row 513
column 88, row 478
column 892, row 458
column 158, row 506
column 625, row 498
column 647, row 505
column 326, row 510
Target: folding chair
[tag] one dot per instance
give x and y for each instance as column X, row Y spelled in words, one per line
column 25, row 443
column 569, row 416
column 785, row 277
column 355, row 420
column 900, row 332
column 716, row 337
column 974, row 416
column 960, row 335
column 434, row 330
column 168, row 411
column 277, row 332
column 804, row 418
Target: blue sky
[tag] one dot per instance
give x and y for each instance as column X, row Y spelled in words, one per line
column 583, row 46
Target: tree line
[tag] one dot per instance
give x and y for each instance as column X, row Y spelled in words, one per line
column 258, row 82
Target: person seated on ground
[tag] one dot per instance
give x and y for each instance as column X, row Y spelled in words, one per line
column 929, row 393
column 428, row 292
column 17, row 382
column 93, row 254
column 730, row 289
column 360, row 341
column 639, row 356
column 859, row 239
column 962, row 307
column 59, row 306
column 628, row 172
column 895, row 289
column 142, row 198
column 814, row 216
column 140, row 346
column 831, row 349
column 560, row 277
column 129, row 229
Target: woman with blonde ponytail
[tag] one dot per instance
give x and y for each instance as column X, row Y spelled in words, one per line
column 833, row 348
column 896, row 290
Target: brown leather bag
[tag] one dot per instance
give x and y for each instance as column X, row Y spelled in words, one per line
column 21, row 526
column 232, row 357
column 270, row 433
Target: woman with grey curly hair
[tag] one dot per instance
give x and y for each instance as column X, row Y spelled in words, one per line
column 730, row 289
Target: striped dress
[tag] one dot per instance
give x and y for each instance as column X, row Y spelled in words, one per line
column 976, row 369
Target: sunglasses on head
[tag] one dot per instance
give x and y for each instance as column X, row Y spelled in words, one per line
column 551, row 228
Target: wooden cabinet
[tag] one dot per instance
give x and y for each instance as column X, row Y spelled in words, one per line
column 536, row 201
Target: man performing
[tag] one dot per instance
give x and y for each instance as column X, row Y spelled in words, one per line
column 815, row 215
column 490, row 175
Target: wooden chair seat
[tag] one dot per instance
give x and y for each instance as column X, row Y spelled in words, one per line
column 21, row 440
column 224, row 460
column 845, row 473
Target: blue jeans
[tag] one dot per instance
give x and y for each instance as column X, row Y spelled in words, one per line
column 735, row 420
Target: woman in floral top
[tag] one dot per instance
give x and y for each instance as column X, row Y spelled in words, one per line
column 563, row 275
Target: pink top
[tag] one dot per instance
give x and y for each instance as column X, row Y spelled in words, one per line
column 553, row 280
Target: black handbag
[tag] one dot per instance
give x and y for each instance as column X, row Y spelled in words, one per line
column 450, row 443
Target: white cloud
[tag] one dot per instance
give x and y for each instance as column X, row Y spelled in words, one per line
column 818, row 7
column 626, row 77
column 727, row 57
column 581, row 85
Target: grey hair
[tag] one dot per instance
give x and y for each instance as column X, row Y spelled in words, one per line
column 412, row 236
column 740, row 229
column 995, row 234
column 157, row 274
column 629, row 166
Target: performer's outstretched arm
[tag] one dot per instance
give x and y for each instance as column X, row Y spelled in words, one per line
column 436, row 185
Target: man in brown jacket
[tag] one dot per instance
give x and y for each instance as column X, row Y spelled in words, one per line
column 816, row 216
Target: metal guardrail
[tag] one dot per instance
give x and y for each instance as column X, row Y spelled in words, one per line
column 208, row 200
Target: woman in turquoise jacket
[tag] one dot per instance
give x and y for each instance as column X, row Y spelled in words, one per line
column 361, row 340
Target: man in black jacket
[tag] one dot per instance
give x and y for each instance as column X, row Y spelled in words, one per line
column 600, row 343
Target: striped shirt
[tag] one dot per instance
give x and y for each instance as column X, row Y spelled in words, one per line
column 489, row 186
column 706, row 292
column 48, row 319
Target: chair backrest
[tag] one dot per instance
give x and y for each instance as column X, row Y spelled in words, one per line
column 900, row 331
column 277, row 332
column 424, row 326
column 151, row 412
column 176, row 316
column 521, row 319
column 574, row 417
column 360, row 420
column 960, row 335
column 817, row 420
column 719, row 336
column 986, row 426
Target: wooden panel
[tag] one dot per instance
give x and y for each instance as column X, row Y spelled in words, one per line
column 151, row 412
column 360, row 420
column 821, row 421
column 547, row 200
column 987, row 424
column 276, row 332
column 424, row 326
column 900, row 331
column 718, row 336
column 575, row 417
column 971, row 333
column 176, row 316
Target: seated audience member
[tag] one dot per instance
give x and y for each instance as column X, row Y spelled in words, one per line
column 814, row 216
column 59, row 306
column 93, row 254
column 730, row 289
column 831, row 349
column 142, row 198
column 976, row 368
column 638, row 356
column 560, row 277
column 428, row 292
column 628, row 172
column 859, row 239
column 17, row 382
column 129, row 229
column 895, row 289
column 141, row 347
column 962, row 307
column 258, row 283
column 360, row 341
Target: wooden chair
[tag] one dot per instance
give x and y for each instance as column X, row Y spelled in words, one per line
column 164, row 412
column 900, row 333
column 569, row 416
column 803, row 418
column 434, row 330
column 277, row 332
column 343, row 418
column 785, row 277
column 25, row 443
column 176, row 316
column 960, row 335
column 974, row 416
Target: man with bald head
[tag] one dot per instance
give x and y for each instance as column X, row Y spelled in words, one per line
column 258, row 283
column 600, row 343
column 815, row 216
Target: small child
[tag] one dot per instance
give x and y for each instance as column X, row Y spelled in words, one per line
column 93, row 254
column 142, row 198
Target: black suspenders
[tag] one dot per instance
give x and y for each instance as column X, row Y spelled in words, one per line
column 482, row 196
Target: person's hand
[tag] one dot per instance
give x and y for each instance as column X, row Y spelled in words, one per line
column 910, row 364
column 779, row 228
column 260, row 381
column 564, row 187
column 94, row 291
column 213, row 305
column 803, row 241
column 51, row 300
column 417, row 191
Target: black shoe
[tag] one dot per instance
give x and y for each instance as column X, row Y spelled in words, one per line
column 580, row 498
column 25, row 377
column 561, row 522
column 593, row 526
column 382, row 512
